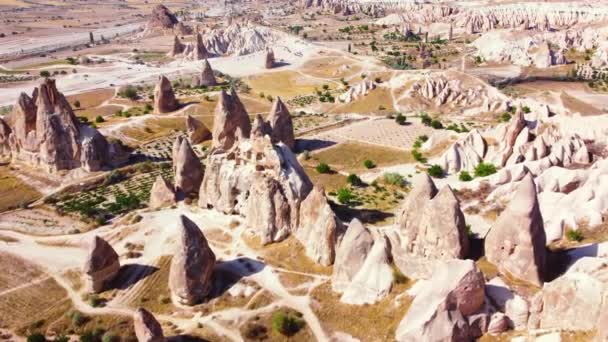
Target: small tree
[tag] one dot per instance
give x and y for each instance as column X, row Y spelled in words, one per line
column 99, row 119
column 369, row 164
column 45, row 74
column 436, row 124
column 574, row 235
column 345, row 196
column 286, row 324
column 465, row 177
column 36, row 337
column 505, row 117
column 77, row 104
column 435, row 171
column 354, row 180
column 400, row 119
column 323, row 168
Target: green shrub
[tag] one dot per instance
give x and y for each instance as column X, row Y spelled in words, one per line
column 394, row 178
column 401, row 119
column 286, row 324
column 465, row 176
column 354, row 180
column 574, row 235
column 36, row 337
column 323, row 168
column 77, row 318
column 435, row 171
column 345, row 195
column 129, row 92
column 436, row 124
column 77, row 104
column 99, row 119
column 109, row 337
column 369, row 164
column 484, row 169
column 45, row 74
column 418, row 156
column 526, row 109
column 426, row 119
column 505, row 117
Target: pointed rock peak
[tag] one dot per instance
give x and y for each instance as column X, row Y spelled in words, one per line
column 206, row 65
column 423, row 184
column 147, row 328
column 189, row 231
column 279, row 108
column 525, row 199
column 355, row 228
column 164, row 82
column 446, row 195
column 101, row 255
column 260, row 127
column 176, row 40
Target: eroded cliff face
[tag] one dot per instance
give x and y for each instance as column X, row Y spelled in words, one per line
column 45, row 133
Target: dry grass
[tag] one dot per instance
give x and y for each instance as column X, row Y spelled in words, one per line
column 520, row 287
column 259, row 328
column 329, row 181
column 288, row 254
column 154, row 127
column 378, row 101
column 152, row 292
column 377, row 322
column 89, row 102
column 285, row 84
column 349, row 156
column 331, row 67
column 576, row 105
column 14, row 192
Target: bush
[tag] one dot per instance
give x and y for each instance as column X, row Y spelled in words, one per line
column 345, row 196
column 77, row 318
column 394, row 178
column 401, row 119
column 323, row 168
column 426, row 120
column 465, row 176
column 45, row 74
column 574, row 235
column 109, row 337
column 37, row 337
column 354, row 180
column 436, row 124
column 435, row 171
column 369, row 164
column 484, row 169
column 526, row 109
column 505, row 117
column 418, row 156
column 77, row 104
column 129, row 92
column 286, row 324
column 99, row 119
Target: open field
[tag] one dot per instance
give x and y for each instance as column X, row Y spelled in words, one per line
column 14, row 192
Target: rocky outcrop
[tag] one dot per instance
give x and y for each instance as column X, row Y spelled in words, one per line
column 318, row 228
column 437, row 229
column 192, row 265
column 441, row 91
column 240, row 39
column 206, row 77
column 465, row 154
column 187, row 166
column 269, row 62
column 195, row 51
column 256, row 167
column 164, row 97
column 197, row 131
column 231, row 121
column 516, row 241
column 357, row 91
column 441, row 311
column 147, row 328
column 45, row 133
column 162, row 194
column 362, row 271
column 101, row 266
column 260, row 127
column 281, row 124
column 574, row 300
column 162, row 18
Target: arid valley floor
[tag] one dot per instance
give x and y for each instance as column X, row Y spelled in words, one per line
column 303, row 170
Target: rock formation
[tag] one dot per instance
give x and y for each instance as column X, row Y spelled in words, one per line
column 357, row 91
column 45, row 133
column 516, row 241
column 164, row 97
column 441, row 91
column 260, row 127
column 240, row 39
column 101, row 266
column 441, row 311
column 147, row 328
column 433, row 226
column 162, row 19
column 192, row 265
column 361, row 269
column 197, row 131
column 465, row 154
column 162, row 194
column 318, row 228
column 187, row 166
column 269, row 61
column 190, row 51
column 281, row 125
column 206, row 77
column 256, row 167
column 231, row 121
